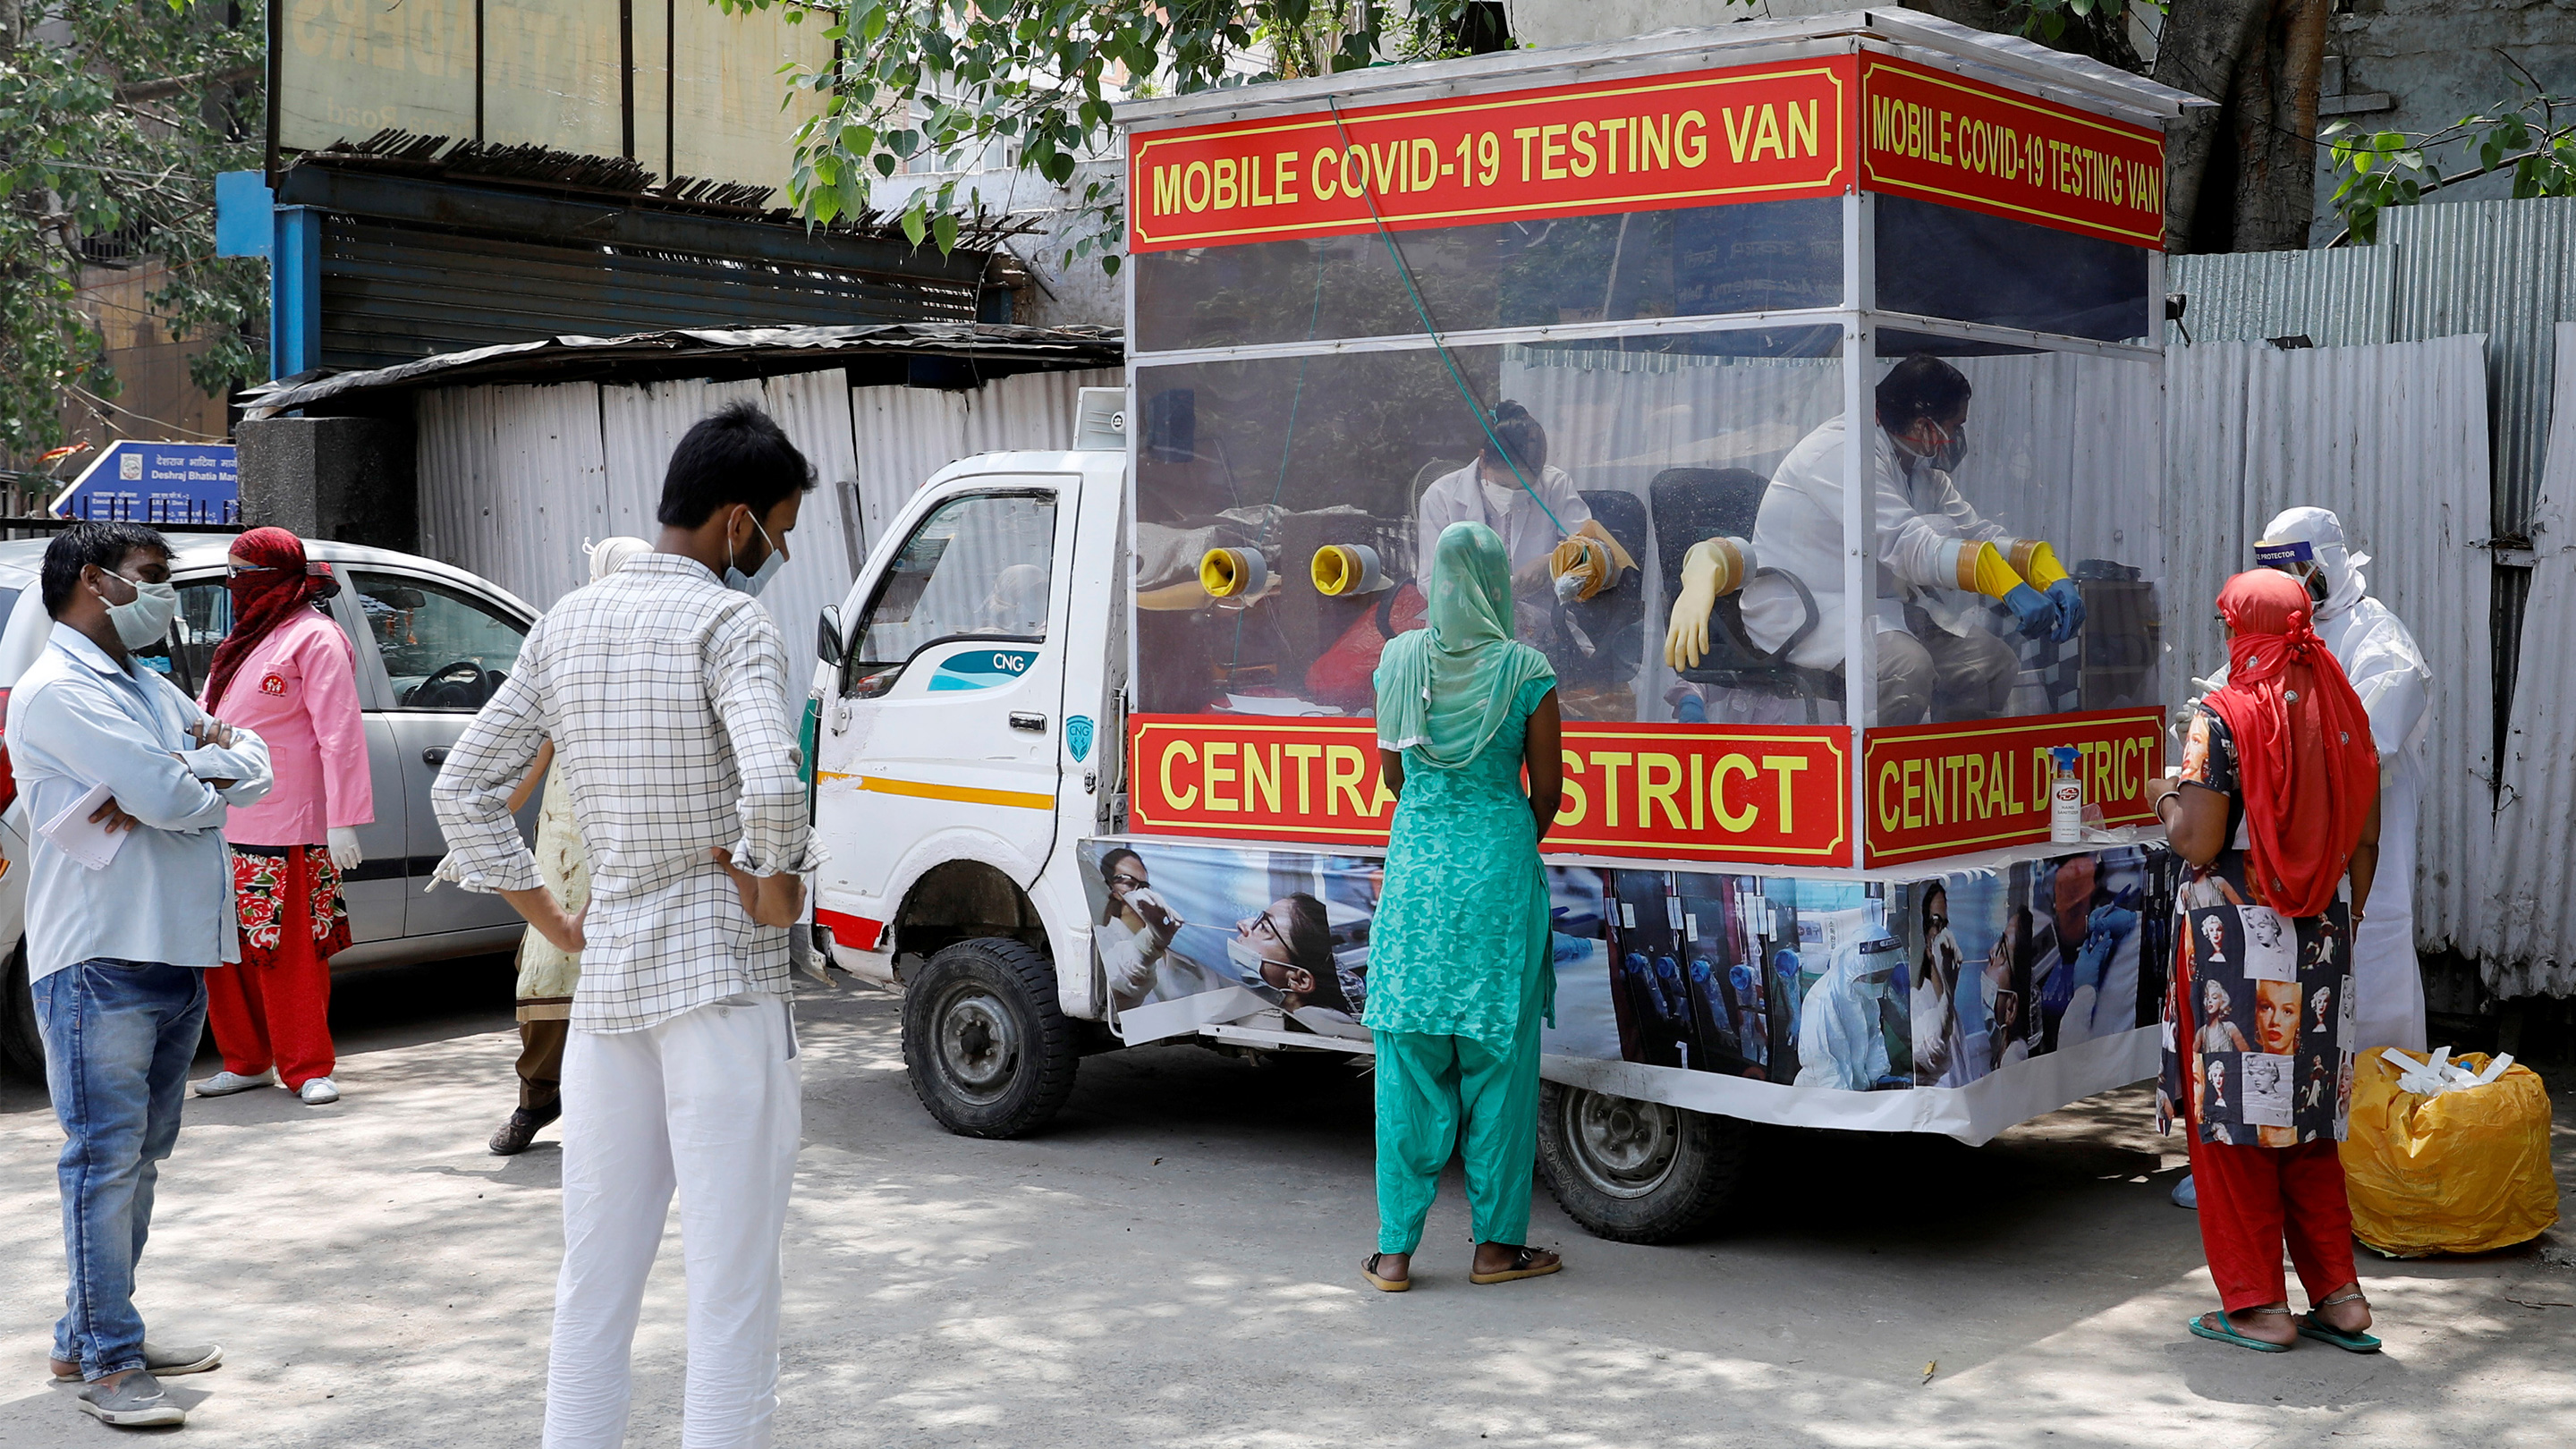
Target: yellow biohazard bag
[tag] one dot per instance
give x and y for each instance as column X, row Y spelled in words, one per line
column 2464, row 1171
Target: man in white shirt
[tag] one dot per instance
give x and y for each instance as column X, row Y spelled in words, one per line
column 664, row 688
column 1532, row 520
column 117, row 952
column 1936, row 659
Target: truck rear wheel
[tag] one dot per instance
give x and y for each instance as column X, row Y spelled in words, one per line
column 985, row 1042
column 1637, row 1172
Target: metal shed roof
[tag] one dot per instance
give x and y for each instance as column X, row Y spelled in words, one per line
column 986, row 349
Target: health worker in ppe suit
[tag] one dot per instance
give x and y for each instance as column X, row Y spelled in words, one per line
column 1841, row 1037
column 1547, row 529
column 1935, row 658
column 2388, row 671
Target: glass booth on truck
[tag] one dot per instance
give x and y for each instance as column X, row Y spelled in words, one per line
column 1809, row 372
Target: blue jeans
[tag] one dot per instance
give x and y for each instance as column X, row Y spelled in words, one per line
column 118, row 1039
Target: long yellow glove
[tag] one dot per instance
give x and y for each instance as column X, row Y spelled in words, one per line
column 2034, row 560
column 1594, row 555
column 1714, row 568
column 1981, row 567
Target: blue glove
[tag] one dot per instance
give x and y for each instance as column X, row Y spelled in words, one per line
column 2070, row 609
column 2032, row 611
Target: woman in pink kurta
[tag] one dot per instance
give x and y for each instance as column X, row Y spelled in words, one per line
column 289, row 673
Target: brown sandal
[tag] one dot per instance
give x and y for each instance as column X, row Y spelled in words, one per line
column 1368, row 1270
column 1525, row 1264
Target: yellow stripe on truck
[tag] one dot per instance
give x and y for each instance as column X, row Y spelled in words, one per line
column 963, row 794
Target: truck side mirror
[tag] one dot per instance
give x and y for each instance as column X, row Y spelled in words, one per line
column 827, row 635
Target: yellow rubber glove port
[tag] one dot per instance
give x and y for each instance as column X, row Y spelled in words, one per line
column 1983, row 569
column 1714, row 568
column 2037, row 562
column 1593, row 553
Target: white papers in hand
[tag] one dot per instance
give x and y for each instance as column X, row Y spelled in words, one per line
column 72, row 831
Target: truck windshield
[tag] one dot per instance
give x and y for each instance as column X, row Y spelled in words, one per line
column 979, row 567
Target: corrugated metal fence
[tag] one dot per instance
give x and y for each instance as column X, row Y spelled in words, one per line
column 2391, row 437
column 516, row 479
column 2528, row 941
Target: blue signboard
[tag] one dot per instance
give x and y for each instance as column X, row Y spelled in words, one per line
column 157, row 483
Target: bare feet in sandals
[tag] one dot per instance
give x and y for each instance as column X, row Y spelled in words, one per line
column 1505, row 1262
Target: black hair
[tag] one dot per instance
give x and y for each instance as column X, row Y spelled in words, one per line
column 84, row 544
column 1934, row 889
column 1922, row 386
column 1310, row 949
column 1522, row 438
column 736, row 454
column 1108, row 868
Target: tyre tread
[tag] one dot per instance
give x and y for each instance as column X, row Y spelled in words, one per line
column 1054, row 1046
column 1720, row 1143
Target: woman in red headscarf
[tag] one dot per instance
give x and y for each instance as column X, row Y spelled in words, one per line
column 289, row 673
column 2275, row 812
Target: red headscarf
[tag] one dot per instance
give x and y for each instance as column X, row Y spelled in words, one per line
column 264, row 598
column 2303, row 753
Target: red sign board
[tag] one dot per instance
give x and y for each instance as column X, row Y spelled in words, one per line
column 1776, row 795
column 1943, row 789
column 1965, row 143
column 1699, row 138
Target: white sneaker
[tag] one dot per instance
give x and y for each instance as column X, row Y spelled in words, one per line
column 319, row 1092
column 225, row 1083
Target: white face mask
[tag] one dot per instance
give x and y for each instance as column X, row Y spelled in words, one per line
column 1246, row 959
column 146, row 617
column 758, row 579
column 1500, row 496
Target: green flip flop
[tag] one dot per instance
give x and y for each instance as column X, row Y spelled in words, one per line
column 2311, row 1326
column 2226, row 1332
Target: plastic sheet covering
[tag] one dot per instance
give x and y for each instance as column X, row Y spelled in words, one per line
column 2460, row 1172
column 2528, row 942
column 2393, row 438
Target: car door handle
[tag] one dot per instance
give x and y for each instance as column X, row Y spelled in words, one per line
column 434, row 756
column 1023, row 720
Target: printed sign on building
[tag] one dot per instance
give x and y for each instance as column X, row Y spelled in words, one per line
column 156, row 483
column 1773, row 795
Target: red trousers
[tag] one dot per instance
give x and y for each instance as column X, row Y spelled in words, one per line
column 2253, row 1199
column 276, row 1016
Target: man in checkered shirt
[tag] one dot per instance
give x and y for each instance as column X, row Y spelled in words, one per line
column 664, row 688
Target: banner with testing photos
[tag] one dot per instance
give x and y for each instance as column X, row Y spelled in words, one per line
column 1960, row 1004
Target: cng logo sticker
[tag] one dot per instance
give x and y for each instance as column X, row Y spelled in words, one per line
column 982, row 668
column 1077, row 736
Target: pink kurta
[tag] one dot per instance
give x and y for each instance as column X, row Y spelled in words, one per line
column 299, row 690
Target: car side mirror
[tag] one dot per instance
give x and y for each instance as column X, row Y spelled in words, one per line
column 827, row 635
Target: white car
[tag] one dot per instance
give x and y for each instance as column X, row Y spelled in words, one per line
column 433, row 643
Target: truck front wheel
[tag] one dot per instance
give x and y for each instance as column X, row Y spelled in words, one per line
column 988, row 1048
column 1637, row 1172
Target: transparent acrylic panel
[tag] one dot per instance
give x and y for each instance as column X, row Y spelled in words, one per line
column 1766, row 256
column 1939, row 261
column 2061, row 449
column 1656, row 443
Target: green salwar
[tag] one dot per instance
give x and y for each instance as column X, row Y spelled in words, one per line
column 1429, row 1087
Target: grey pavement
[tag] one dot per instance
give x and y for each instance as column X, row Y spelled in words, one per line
column 1175, row 1264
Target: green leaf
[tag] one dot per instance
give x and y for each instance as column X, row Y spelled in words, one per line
column 914, row 226
column 943, row 230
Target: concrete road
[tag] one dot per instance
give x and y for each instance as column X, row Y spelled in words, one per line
column 1175, row 1265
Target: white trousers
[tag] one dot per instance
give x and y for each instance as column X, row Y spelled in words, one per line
column 707, row 1104
column 2387, row 978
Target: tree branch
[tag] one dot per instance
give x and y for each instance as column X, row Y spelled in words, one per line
column 153, row 90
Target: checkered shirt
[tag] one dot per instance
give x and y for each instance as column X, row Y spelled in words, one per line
column 666, row 696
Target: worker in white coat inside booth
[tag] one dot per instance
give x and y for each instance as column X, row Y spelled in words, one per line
column 2388, row 671
column 1936, row 555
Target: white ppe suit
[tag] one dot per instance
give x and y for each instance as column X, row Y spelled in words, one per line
column 2395, row 684
column 1920, row 526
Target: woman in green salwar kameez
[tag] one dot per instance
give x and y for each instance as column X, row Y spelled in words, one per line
column 1459, row 974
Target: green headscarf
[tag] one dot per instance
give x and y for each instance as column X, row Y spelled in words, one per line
column 1444, row 691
